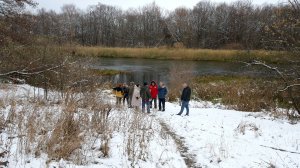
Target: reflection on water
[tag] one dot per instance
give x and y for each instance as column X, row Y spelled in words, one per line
column 140, row 70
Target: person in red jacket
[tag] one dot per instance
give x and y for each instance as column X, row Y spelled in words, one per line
column 154, row 92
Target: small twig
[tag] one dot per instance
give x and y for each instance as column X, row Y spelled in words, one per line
column 278, row 149
column 288, row 87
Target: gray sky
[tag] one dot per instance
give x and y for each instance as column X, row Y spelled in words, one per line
column 125, row 4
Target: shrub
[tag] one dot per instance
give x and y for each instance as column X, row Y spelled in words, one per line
column 239, row 93
column 64, row 138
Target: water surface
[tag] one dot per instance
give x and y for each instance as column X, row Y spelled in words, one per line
column 140, row 70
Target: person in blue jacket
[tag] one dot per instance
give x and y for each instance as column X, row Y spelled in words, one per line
column 162, row 92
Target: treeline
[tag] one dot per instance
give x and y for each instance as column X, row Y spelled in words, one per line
column 239, row 25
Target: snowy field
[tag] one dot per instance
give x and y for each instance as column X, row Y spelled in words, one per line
column 210, row 137
column 227, row 138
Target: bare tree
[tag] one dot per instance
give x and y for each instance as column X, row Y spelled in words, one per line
column 239, row 25
column 9, row 8
column 291, row 83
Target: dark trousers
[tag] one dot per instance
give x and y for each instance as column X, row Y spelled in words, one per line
column 184, row 104
column 155, row 103
column 127, row 100
column 130, row 101
column 119, row 100
column 161, row 104
column 145, row 103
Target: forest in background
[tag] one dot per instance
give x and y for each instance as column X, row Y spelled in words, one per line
column 238, row 25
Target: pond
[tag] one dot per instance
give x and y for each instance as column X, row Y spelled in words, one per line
column 139, row 70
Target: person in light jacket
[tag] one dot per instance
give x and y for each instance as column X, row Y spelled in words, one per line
column 136, row 98
column 130, row 93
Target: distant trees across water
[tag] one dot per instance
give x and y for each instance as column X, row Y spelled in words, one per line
column 238, row 25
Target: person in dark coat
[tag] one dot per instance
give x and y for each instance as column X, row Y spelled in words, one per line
column 125, row 90
column 185, row 99
column 146, row 96
column 162, row 92
column 154, row 92
column 130, row 93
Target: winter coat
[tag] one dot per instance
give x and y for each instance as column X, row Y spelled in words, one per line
column 136, row 99
column 186, row 94
column 153, row 91
column 125, row 91
column 145, row 93
column 130, row 90
column 162, row 92
column 118, row 91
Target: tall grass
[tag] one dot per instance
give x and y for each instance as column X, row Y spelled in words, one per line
column 78, row 129
column 240, row 93
column 183, row 54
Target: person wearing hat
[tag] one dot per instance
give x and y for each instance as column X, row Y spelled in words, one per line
column 146, row 96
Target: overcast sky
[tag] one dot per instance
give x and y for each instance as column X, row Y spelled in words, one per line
column 125, row 4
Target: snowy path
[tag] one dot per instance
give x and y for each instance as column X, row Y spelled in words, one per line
column 189, row 159
column 228, row 138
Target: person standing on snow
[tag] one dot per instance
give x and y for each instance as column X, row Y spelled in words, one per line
column 118, row 93
column 125, row 91
column 154, row 92
column 130, row 93
column 146, row 96
column 185, row 99
column 162, row 92
column 136, row 98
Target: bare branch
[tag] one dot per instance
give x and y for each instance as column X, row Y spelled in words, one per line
column 288, row 87
column 31, row 72
column 275, row 69
column 285, row 78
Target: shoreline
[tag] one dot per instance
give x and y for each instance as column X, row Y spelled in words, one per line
column 274, row 57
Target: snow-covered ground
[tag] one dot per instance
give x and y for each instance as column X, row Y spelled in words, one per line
column 134, row 139
column 228, row 138
column 211, row 136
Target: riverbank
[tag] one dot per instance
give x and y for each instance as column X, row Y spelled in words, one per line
column 184, row 54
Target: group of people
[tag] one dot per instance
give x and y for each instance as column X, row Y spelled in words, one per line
column 146, row 96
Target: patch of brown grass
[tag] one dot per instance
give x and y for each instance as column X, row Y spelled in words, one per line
column 239, row 93
column 64, row 138
column 181, row 53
